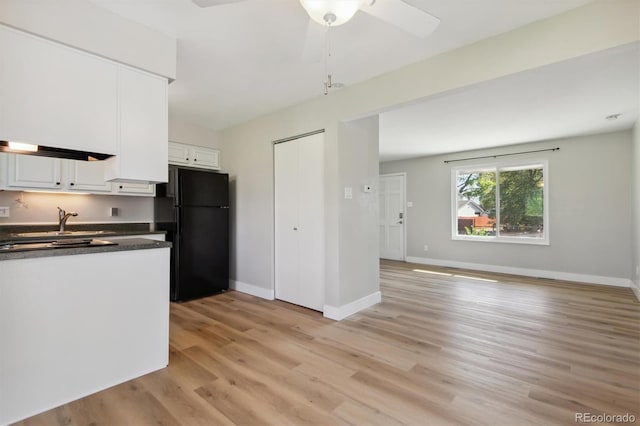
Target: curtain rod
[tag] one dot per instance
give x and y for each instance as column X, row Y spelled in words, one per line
column 502, row 155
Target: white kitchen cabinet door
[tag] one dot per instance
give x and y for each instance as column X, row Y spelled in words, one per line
column 194, row 156
column 179, row 153
column 206, row 158
column 142, row 153
column 56, row 96
column 86, row 176
column 299, row 221
column 32, row 172
column 128, row 188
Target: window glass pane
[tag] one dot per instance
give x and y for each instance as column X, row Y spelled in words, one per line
column 476, row 203
column 521, row 202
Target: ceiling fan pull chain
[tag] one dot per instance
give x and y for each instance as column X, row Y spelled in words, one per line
column 327, row 63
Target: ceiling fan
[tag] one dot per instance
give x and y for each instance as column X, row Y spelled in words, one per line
column 336, row 12
column 331, row 13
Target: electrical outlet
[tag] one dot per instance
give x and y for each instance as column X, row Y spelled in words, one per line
column 426, row 247
column 4, row 211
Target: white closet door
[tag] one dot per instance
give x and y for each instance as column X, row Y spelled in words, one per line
column 299, row 221
column 286, row 221
column 311, row 221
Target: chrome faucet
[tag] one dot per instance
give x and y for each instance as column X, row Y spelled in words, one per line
column 63, row 216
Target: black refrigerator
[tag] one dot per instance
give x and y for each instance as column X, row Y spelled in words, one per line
column 193, row 208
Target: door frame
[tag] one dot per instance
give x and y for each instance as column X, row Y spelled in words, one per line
column 404, row 210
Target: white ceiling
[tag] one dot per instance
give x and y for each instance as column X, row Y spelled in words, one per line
column 242, row 60
column 565, row 99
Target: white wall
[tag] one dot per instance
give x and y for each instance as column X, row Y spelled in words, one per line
column 589, row 211
column 185, row 132
column 82, row 24
column 635, row 205
column 248, row 151
column 40, row 208
column 359, row 257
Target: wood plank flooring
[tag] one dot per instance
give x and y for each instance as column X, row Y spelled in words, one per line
column 445, row 346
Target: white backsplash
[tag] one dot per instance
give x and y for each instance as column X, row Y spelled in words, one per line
column 41, row 208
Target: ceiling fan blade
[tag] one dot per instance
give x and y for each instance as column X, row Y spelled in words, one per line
column 209, row 3
column 404, row 16
column 314, row 42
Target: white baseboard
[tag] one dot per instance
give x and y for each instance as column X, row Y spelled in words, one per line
column 254, row 290
column 538, row 273
column 341, row 312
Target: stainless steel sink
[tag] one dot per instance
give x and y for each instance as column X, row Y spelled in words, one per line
column 63, row 233
column 66, row 243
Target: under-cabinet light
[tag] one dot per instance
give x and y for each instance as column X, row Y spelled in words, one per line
column 21, row 146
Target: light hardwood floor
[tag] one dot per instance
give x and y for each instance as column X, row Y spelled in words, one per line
column 445, row 346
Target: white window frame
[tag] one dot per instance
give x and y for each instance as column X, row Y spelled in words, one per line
column 496, row 165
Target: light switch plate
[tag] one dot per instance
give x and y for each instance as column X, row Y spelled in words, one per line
column 348, row 193
column 4, row 211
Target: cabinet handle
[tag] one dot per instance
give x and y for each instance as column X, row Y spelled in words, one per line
column 57, row 183
column 120, row 186
column 195, row 159
column 72, row 184
column 186, row 159
column 295, row 229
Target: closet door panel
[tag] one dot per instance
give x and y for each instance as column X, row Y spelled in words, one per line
column 286, row 222
column 311, row 220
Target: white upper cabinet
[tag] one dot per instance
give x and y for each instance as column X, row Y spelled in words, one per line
column 127, row 188
column 29, row 171
column 179, row 154
column 86, row 176
column 56, row 96
column 194, row 156
column 142, row 148
column 206, row 158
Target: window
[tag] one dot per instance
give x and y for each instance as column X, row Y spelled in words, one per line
column 505, row 202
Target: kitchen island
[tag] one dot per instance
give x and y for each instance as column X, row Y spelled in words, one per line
column 74, row 321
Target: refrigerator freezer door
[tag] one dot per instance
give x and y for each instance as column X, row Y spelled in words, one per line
column 202, row 264
column 200, row 188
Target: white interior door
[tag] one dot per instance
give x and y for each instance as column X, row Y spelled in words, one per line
column 299, row 221
column 392, row 216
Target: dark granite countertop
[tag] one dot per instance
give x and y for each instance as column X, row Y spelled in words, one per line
column 122, row 245
column 103, row 231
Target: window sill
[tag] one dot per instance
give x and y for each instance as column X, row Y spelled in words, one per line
column 508, row 240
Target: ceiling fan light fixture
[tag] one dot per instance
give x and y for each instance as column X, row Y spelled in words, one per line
column 331, row 12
